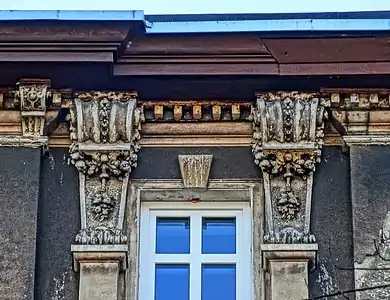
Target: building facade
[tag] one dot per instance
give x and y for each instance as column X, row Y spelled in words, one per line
column 241, row 157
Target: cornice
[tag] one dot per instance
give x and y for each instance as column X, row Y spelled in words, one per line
column 199, row 123
column 61, row 41
column 132, row 51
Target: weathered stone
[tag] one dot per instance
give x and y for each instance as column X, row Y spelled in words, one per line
column 105, row 133
column 288, row 135
column 33, row 95
column 99, row 271
column 287, row 269
column 195, row 170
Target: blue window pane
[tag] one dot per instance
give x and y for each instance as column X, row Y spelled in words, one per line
column 218, row 282
column 172, row 282
column 218, row 235
column 172, row 235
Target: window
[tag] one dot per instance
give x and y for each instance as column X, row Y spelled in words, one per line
column 195, row 251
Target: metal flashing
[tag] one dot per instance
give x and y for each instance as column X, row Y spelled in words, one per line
column 214, row 23
column 72, row 15
column 282, row 25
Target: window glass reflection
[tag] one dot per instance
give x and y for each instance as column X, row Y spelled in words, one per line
column 218, row 235
column 172, row 235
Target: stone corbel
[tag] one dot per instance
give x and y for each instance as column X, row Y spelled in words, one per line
column 288, row 134
column 33, row 95
column 105, row 130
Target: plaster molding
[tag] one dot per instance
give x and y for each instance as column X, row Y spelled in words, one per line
column 373, row 139
column 105, row 133
column 289, row 135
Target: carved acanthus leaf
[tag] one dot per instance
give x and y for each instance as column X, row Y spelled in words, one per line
column 105, row 140
column 100, row 236
column 289, row 235
column 288, row 138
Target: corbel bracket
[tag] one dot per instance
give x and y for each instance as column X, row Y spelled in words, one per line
column 33, row 96
column 105, row 130
column 289, row 135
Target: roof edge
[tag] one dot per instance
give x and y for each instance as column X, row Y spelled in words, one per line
column 72, row 15
column 283, row 25
column 369, row 21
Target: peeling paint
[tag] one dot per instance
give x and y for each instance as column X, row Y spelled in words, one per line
column 325, row 280
column 51, row 160
column 376, row 268
column 59, row 287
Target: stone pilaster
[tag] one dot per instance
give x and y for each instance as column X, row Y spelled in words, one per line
column 288, row 134
column 105, row 133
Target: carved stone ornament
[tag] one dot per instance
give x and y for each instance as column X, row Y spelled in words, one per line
column 105, row 133
column 33, row 94
column 195, row 170
column 288, row 134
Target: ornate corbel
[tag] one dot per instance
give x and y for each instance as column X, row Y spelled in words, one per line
column 33, row 96
column 105, row 130
column 289, row 135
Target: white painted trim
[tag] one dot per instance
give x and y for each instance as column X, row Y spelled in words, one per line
column 242, row 258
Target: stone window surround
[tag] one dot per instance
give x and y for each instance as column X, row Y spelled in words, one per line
column 173, row 190
column 240, row 211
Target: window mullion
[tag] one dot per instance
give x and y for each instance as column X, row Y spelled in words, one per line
column 195, row 265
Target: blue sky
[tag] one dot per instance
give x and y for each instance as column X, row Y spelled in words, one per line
column 200, row 6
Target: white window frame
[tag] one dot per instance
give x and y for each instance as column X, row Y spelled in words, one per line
column 242, row 258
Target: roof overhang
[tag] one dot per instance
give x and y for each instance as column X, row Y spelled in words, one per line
column 243, row 44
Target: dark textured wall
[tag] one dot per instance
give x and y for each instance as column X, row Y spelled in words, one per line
column 58, row 223
column 20, row 172
column 370, row 193
column 162, row 163
column 331, row 222
column 370, row 166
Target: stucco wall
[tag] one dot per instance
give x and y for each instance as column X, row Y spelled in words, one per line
column 58, row 218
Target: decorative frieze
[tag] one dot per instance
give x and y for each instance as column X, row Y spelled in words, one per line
column 105, row 141
column 288, row 135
